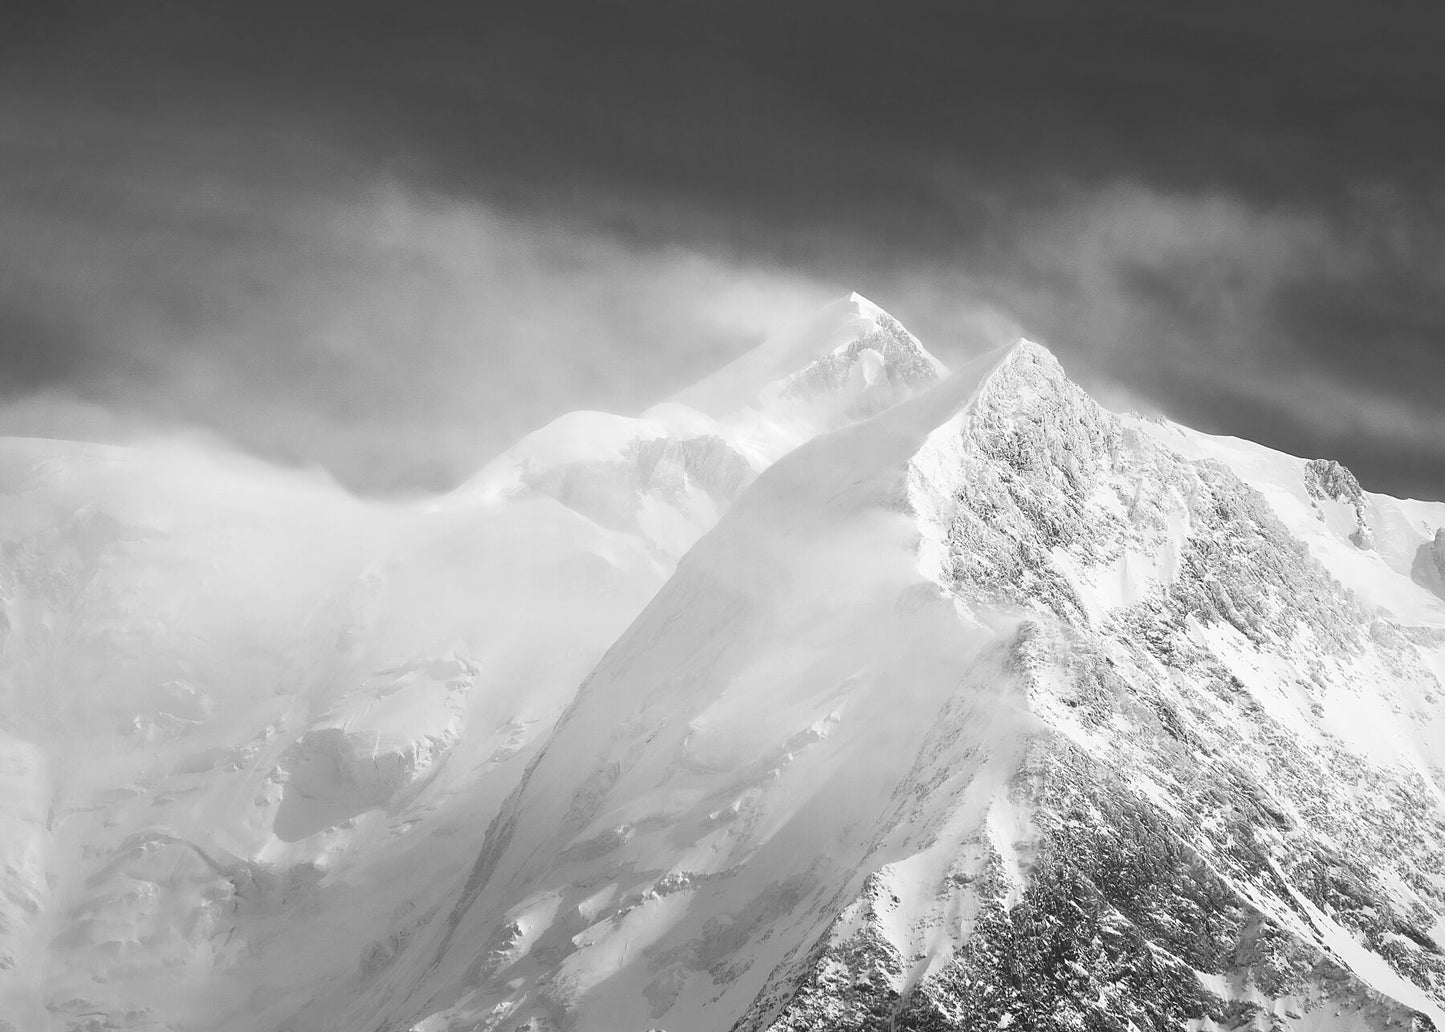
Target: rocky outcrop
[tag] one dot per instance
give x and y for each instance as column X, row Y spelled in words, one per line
column 1327, row 480
column 1429, row 567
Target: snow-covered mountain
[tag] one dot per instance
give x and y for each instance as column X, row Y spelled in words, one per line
column 835, row 693
column 248, row 723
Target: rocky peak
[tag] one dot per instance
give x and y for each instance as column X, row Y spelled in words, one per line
column 1030, row 416
column 1028, row 353
column 848, row 348
column 883, row 363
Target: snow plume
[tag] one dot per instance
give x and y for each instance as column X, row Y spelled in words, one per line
column 1126, row 275
column 396, row 336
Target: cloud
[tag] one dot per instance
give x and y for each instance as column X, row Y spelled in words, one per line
column 395, row 336
column 315, row 249
column 1308, row 329
column 399, row 337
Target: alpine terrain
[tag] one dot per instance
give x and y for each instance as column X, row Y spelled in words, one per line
column 838, row 692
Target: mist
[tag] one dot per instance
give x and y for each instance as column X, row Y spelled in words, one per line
column 387, row 246
column 395, row 339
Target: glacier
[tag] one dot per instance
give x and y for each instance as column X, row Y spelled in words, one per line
column 840, row 691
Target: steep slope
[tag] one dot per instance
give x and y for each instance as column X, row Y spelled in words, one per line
column 997, row 710
column 250, row 726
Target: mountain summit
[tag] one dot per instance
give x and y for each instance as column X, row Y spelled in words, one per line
column 666, row 475
column 836, row 693
column 819, row 352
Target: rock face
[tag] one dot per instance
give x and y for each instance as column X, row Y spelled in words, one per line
column 970, row 704
column 1328, row 481
column 886, row 361
column 1429, row 566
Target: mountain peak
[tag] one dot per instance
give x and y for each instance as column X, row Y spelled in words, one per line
column 1026, row 367
column 1029, row 351
column 835, row 336
column 865, row 307
column 1031, row 347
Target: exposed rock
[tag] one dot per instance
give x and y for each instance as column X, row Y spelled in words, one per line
column 1429, row 567
column 1327, row 480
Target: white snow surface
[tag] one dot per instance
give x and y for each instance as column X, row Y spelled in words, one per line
column 624, row 731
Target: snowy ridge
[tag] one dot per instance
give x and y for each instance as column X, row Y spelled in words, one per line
column 667, row 475
column 885, row 703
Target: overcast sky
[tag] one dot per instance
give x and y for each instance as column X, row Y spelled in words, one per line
column 386, row 240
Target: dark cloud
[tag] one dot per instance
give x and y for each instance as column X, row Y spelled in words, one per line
column 36, row 353
column 1186, row 201
column 398, row 338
